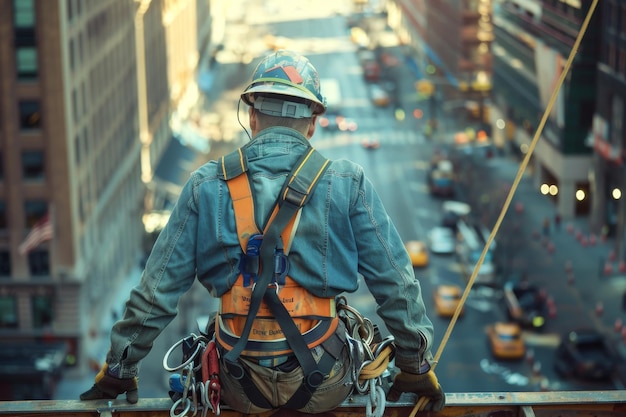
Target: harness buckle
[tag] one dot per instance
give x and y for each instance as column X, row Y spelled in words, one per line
column 249, row 262
column 281, row 266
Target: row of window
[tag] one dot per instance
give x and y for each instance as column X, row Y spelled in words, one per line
column 34, row 210
column 33, row 165
column 41, row 310
column 38, row 263
column 24, row 25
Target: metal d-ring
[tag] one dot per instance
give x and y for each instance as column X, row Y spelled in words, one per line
column 182, row 365
column 178, row 402
column 386, row 342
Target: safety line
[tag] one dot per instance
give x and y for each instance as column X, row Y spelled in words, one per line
column 423, row 401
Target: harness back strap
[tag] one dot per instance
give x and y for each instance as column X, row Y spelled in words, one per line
column 243, row 204
column 295, row 193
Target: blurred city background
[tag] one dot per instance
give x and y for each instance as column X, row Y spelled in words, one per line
column 107, row 106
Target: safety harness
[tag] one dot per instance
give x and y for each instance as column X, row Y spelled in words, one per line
column 267, row 317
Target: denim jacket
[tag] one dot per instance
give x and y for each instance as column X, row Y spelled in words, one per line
column 343, row 231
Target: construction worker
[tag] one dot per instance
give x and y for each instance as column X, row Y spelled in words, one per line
column 341, row 232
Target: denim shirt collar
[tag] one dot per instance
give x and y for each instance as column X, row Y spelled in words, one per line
column 276, row 134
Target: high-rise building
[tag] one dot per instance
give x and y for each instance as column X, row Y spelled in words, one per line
column 532, row 43
column 451, row 43
column 87, row 89
column 608, row 133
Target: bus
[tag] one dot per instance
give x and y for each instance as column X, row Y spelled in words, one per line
column 471, row 240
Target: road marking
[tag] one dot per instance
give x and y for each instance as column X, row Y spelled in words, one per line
column 547, row 339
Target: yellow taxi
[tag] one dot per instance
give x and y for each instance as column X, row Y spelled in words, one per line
column 418, row 252
column 505, row 340
column 447, row 299
column 380, row 97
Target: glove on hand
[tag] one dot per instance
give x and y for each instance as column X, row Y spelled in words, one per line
column 109, row 387
column 424, row 385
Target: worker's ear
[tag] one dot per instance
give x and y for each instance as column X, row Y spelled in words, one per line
column 312, row 126
column 252, row 120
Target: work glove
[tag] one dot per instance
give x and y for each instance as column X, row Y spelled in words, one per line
column 109, row 387
column 424, row 385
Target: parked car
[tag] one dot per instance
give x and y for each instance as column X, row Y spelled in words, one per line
column 447, row 298
column 371, row 71
column 334, row 122
column 453, row 211
column 450, row 220
column 586, row 354
column 369, row 143
column 525, row 304
column 418, row 252
column 380, row 96
column 442, row 240
column 505, row 340
column 329, row 121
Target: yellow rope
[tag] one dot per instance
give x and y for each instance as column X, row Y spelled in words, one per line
column 377, row 366
column 421, row 403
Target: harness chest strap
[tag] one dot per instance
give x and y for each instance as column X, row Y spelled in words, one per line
column 304, row 308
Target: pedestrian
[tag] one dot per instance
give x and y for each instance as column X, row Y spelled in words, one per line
column 557, row 221
column 342, row 232
column 546, row 226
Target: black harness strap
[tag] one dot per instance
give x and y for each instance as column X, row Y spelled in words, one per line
column 295, row 194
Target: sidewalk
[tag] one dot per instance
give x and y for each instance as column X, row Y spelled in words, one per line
column 578, row 269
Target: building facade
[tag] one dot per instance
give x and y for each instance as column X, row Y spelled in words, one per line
column 450, row 43
column 533, row 42
column 608, row 134
column 86, row 93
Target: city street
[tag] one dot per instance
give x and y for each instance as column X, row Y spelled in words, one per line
column 569, row 263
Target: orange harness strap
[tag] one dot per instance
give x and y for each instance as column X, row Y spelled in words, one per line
column 305, row 309
column 243, row 204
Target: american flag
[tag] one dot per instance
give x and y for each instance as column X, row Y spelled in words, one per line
column 42, row 231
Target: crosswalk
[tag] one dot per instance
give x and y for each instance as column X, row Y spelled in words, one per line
column 326, row 140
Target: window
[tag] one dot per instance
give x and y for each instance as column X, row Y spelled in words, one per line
column 25, row 39
column 3, row 215
column 617, row 120
column 39, row 263
column 33, row 165
column 77, row 153
column 24, row 13
column 72, row 59
column 34, row 211
column 30, row 115
column 75, row 106
column 8, row 312
column 5, row 263
column 42, row 311
column 70, row 11
column 26, row 62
